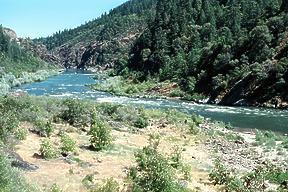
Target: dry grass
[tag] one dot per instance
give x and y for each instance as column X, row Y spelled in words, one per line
column 114, row 162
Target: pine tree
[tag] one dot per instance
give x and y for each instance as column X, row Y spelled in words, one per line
column 284, row 6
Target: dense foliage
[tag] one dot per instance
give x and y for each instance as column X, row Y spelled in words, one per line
column 106, row 27
column 11, row 179
column 14, row 58
column 254, row 180
column 230, row 50
column 154, row 172
column 101, row 41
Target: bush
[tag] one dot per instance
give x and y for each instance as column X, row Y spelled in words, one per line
column 109, row 186
column 11, row 180
column 4, row 88
column 8, row 124
column 100, row 135
column 193, row 129
column 108, row 108
column 176, row 157
column 55, row 188
column 44, row 128
column 267, row 138
column 76, row 113
column 141, row 122
column 67, row 144
column 220, row 174
column 285, row 143
column 177, row 93
column 197, row 119
column 248, row 182
column 47, row 150
column 153, row 172
column 25, row 109
column 21, row 133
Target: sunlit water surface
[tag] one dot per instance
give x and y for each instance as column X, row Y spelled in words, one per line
column 73, row 84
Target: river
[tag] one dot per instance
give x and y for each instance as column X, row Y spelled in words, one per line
column 73, row 84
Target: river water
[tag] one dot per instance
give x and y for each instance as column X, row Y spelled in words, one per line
column 73, row 84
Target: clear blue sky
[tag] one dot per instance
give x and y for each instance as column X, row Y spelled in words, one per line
column 40, row 18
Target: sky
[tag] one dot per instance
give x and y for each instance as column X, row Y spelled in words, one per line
column 40, row 18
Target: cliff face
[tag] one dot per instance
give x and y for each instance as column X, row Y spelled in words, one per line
column 102, row 53
column 102, row 41
column 10, row 33
column 39, row 50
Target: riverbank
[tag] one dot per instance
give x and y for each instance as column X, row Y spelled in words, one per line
column 153, row 89
column 9, row 81
column 55, row 140
column 148, row 89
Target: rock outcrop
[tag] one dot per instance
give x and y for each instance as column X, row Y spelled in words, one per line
column 11, row 34
column 39, row 50
column 19, row 162
column 96, row 53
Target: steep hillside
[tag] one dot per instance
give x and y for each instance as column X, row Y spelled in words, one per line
column 15, row 57
column 103, row 40
column 234, row 52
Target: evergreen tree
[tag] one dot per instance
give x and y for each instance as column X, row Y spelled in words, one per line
column 284, row 6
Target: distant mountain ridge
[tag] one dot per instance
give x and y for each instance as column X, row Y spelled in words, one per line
column 102, row 41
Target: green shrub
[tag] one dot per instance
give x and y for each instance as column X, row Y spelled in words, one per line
column 285, row 143
column 11, row 179
column 131, row 89
column 100, row 135
column 9, row 123
column 248, row 182
column 109, row 186
column 231, row 136
column 23, row 108
column 141, row 122
column 176, row 157
column 108, row 108
column 55, row 188
column 67, row 144
column 153, row 172
column 177, row 93
column 44, row 128
column 47, row 150
column 267, row 138
column 76, row 113
column 21, row 133
column 193, row 129
column 4, row 88
column 220, row 174
column 186, row 170
column 197, row 119
column 88, row 181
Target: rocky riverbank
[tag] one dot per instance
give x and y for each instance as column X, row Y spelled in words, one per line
column 8, row 81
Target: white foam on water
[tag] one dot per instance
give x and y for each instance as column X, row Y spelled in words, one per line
column 146, row 102
column 107, row 100
column 222, row 110
column 63, row 95
column 71, row 85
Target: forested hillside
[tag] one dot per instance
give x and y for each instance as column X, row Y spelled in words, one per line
column 234, row 51
column 231, row 51
column 103, row 40
column 14, row 58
